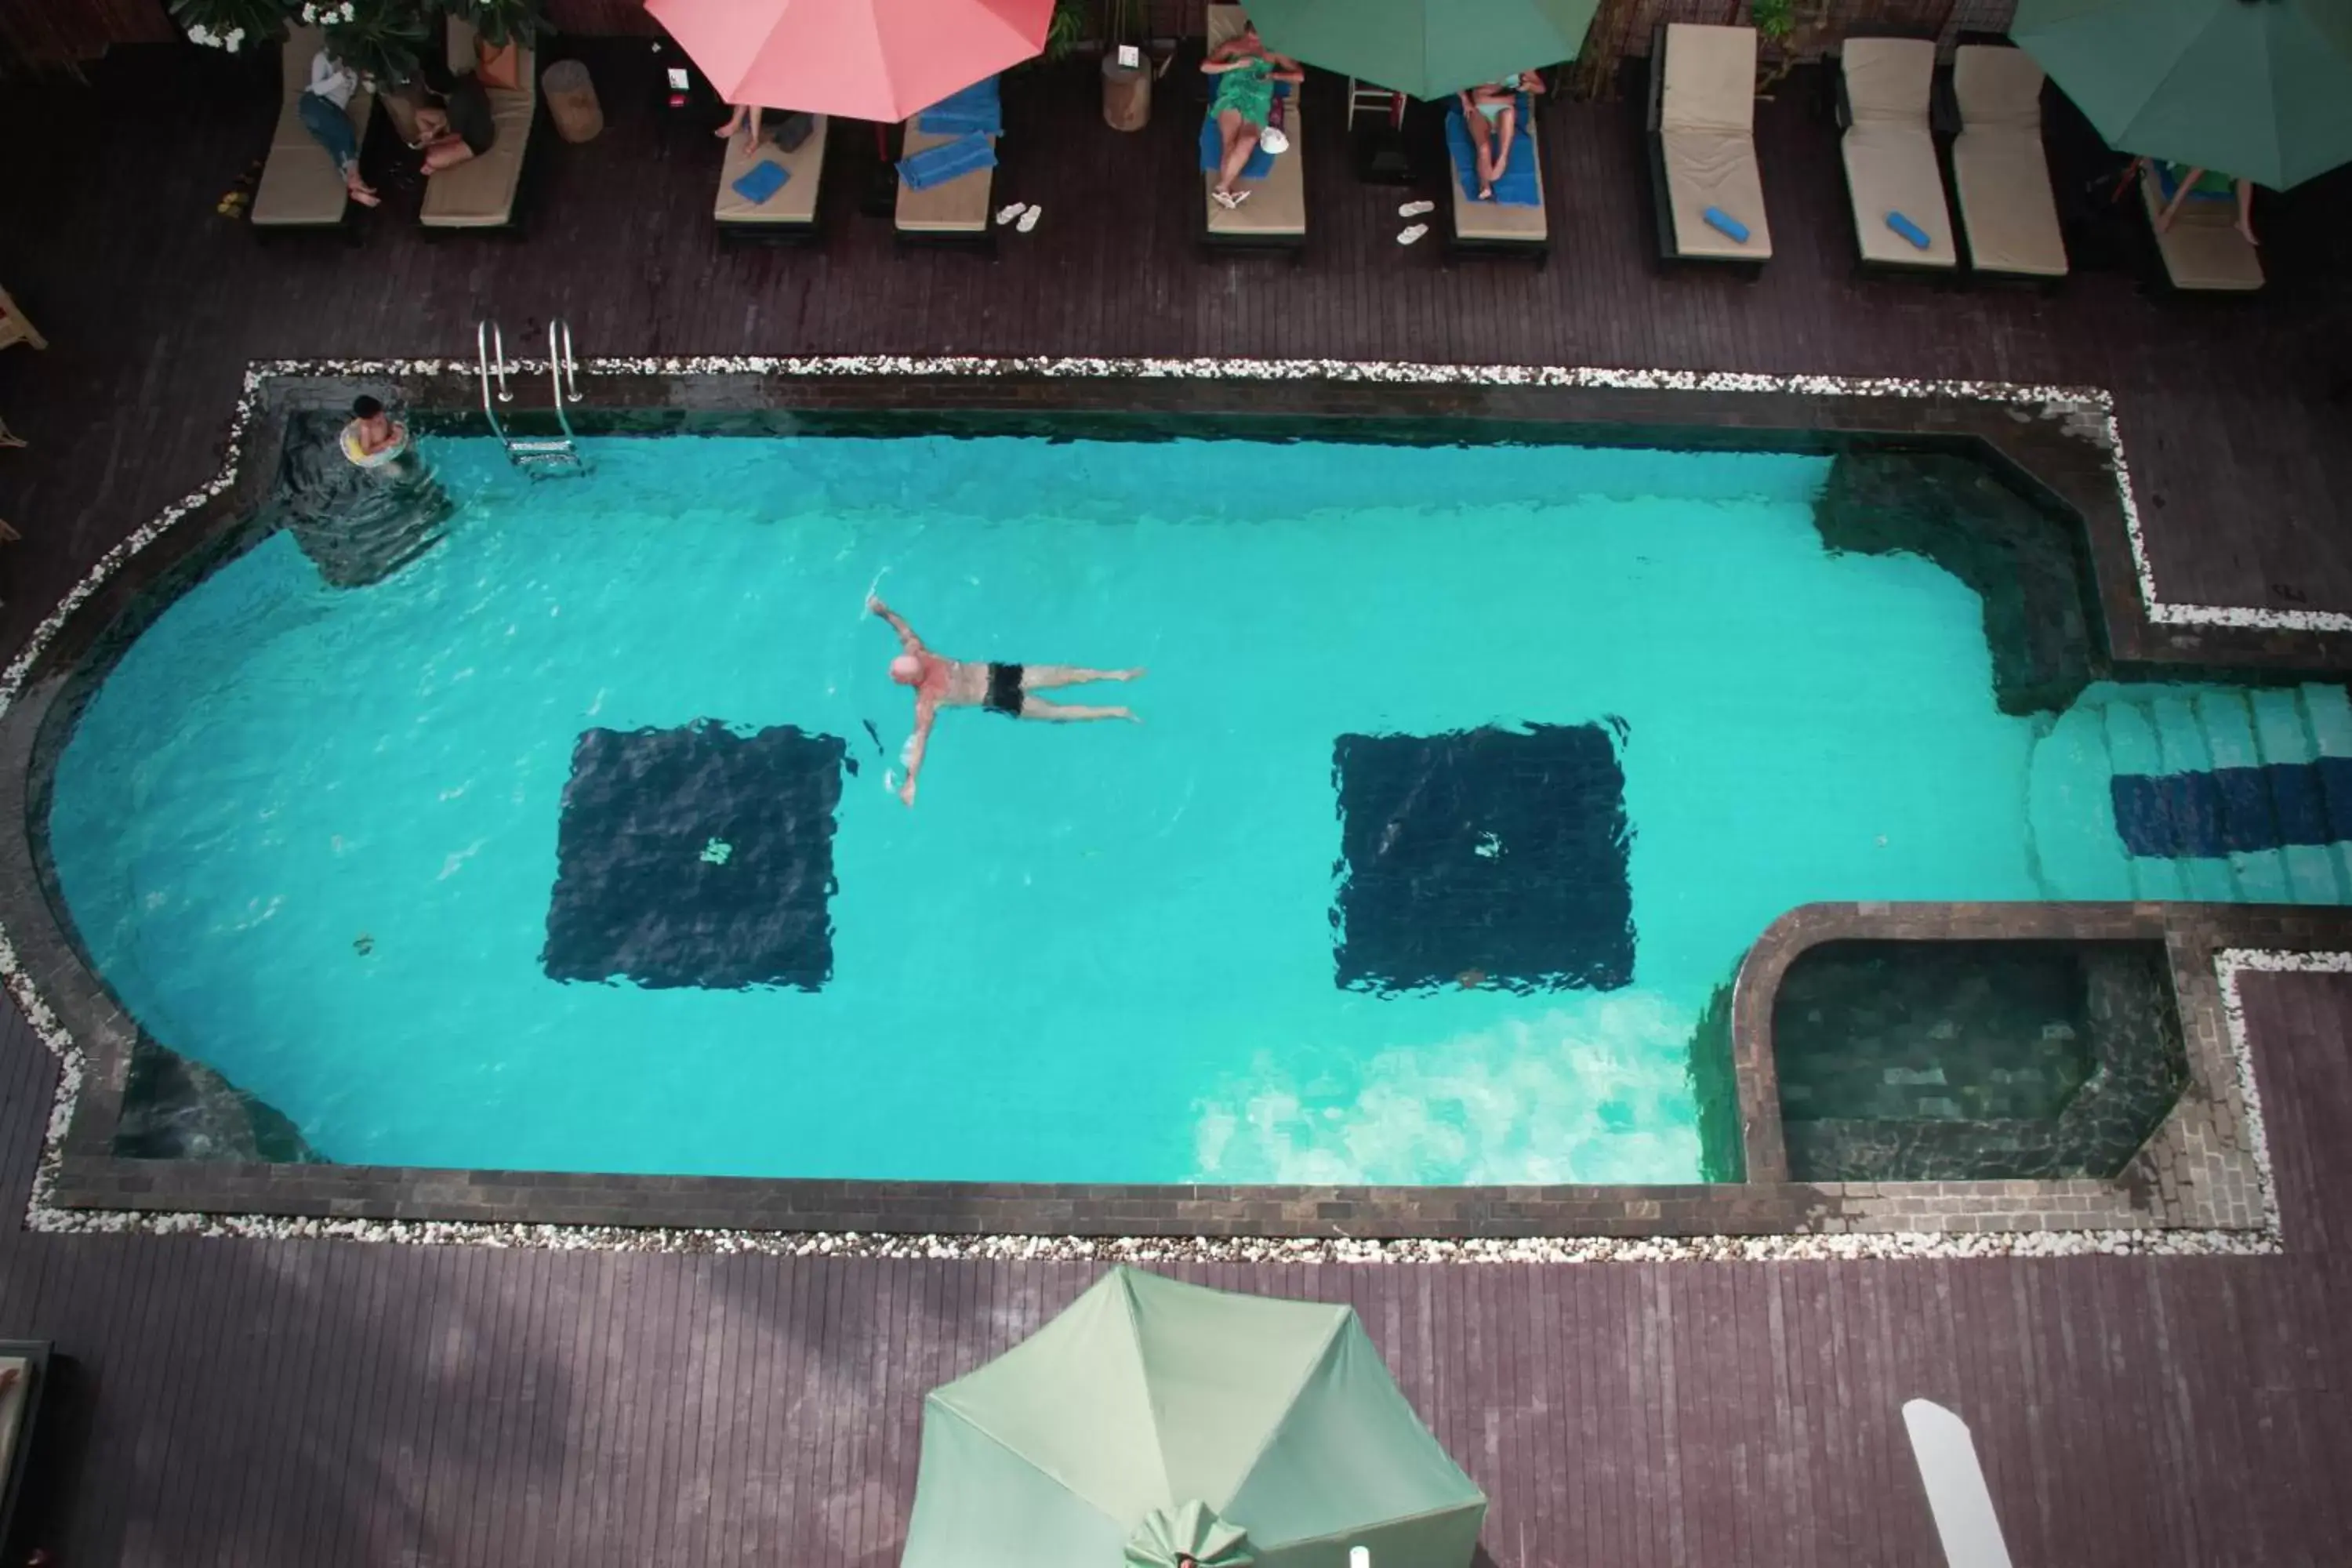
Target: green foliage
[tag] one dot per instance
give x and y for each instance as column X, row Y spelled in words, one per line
column 504, row 22
column 1715, row 1085
column 1066, row 30
column 232, row 25
column 1774, row 20
column 381, row 39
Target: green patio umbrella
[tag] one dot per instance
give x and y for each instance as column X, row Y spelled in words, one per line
column 1426, row 47
column 1154, row 1417
column 2257, row 89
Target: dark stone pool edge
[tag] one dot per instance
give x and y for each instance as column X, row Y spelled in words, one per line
column 2202, row 1170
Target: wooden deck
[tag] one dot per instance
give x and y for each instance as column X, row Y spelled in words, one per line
column 255, row 1404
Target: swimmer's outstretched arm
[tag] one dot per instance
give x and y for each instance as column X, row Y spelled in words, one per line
column 917, row 744
column 906, row 633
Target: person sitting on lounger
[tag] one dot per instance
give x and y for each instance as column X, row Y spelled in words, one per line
column 1246, row 75
column 742, row 115
column 1005, row 689
column 1490, row 112
column 456, row 127
column 2210, row 184
column 325, row 107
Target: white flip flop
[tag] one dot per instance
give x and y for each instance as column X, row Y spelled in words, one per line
column 1410, row 234
column 1006, row 215
column 1415, row 209
column 1029, row 219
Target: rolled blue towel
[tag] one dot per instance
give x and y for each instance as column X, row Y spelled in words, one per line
column 947, row 161
column 763, row 180
column 1908, row 230
column 1724, row 223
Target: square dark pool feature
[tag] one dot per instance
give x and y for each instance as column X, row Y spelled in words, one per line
column 1486, row 857
column 697, row 857
column 1926, row 1061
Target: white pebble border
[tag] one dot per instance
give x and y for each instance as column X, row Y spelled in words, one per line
column 2088, row 411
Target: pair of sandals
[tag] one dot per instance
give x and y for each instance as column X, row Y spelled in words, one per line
column 1022, row 215
column 1229, row 200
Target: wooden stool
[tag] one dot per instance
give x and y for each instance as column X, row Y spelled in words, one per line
column 572, row 101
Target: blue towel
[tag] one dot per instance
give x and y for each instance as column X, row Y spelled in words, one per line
column 763, row 180
column 2167, row 184
column 947, row 161
column 1517, row 186
column 1213, row 146
column 976, row 107
column 1723, row 223
column 1908, row 230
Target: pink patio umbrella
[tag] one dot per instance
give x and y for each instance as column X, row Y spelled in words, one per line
column 863, row 59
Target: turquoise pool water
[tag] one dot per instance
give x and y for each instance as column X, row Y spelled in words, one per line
column 310, row 836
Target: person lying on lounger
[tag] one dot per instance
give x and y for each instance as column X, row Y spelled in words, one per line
column 940, row 682
column 454, row 123
column 1246, row 75
column 2210, row 184
column 1490, row 112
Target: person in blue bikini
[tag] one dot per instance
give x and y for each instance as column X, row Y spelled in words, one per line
column 1490, row 112
column 1246, row 75
column 941, row 683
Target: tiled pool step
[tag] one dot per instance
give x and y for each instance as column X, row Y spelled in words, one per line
column 2212, row 793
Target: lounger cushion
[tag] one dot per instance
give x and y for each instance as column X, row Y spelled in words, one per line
column 2203, row 249
column 795, row 203
column 300, row 186
column 1710, row 79
column 952, row 207
column 2000, row 171
column 481, row 192
column 1714, row 169
column 1890, row 154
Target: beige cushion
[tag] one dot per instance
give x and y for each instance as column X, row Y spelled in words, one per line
column 1997, row 87
column 796, row 202
column 1710, row 79
column 2003, row 181
column 954, row 207
column 1224, row 24
column 1890, row 154
column 1714, row 169
column 481, row 192
column 2203, row 249
column 1475, row 219
column 1998, row 168
column 1891, row 168
column 300, row 186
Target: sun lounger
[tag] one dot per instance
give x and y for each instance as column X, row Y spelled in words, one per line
column 1999, row 172
column 1515, row 219
column 2202, row 251
column 1274, row 216
column 1896, row 189
column 300, row 186
column 20, row 1410
column 953, row 209
column 481, row 192
column 1703, row 145
column 791, row 211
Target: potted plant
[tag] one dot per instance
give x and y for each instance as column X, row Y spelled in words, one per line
column 232, row 25
column 1126, row 73
column 381, row 39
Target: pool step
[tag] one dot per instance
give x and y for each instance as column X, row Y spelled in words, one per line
column 2250, row 777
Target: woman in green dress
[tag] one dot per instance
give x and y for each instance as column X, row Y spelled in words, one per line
column 1246, row 75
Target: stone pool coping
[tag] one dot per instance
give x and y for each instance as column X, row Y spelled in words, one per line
column 2201, row 1185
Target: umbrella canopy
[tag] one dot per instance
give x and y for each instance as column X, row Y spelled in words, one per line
column 2257, row 89
column 1153, row 1417
column 867, row 59
column 1425, row 47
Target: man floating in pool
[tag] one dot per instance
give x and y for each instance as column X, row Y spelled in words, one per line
column 999, row 687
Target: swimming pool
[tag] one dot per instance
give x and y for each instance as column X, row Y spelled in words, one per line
column 1465, row 776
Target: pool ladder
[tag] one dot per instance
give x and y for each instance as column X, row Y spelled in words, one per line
column 542, row 457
